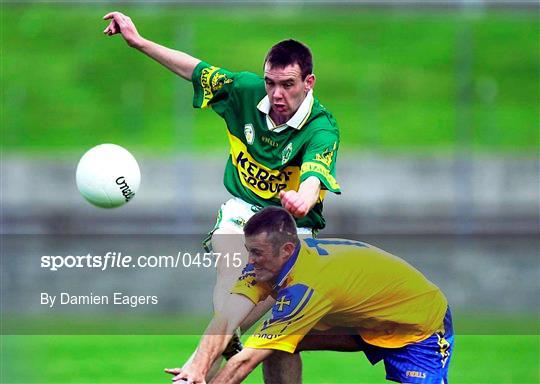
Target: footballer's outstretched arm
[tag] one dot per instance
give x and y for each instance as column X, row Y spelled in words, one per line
column 215, row 339
column 178, row 62
column 241, row 365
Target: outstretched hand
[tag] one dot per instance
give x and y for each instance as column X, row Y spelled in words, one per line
column 122, row 24
column 182, row 376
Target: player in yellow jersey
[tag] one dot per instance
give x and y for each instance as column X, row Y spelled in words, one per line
column 331, row 294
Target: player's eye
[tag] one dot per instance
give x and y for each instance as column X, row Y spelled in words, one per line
column 256, row 253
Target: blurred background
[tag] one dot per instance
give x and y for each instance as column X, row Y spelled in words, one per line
column 439, row 109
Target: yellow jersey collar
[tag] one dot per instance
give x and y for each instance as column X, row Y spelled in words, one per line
column 297, row 121
column 286, row 269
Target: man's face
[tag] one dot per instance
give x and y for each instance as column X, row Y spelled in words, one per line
column 267, row 263
column 286, row 90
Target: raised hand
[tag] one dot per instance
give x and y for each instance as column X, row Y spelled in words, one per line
column 122, row 24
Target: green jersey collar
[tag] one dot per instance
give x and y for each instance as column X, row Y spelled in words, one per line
column 297, row 121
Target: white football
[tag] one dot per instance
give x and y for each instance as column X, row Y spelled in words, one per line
column 108, row 176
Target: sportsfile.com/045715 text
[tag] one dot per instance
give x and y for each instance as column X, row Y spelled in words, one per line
column 118, row 260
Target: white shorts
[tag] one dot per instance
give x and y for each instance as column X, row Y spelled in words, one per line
column 235, row 212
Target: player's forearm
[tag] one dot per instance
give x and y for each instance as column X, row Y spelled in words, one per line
column 212, row 344
column 309, row 190
column 209, row 350
column 241, row 365
column 178, row 62
column 235, row 371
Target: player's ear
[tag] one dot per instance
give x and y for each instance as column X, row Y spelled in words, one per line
column 309, row 82
column 288, row 249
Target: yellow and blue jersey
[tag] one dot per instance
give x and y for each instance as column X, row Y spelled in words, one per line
column 329, row 283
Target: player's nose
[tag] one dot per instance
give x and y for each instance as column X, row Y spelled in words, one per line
column 277, row 94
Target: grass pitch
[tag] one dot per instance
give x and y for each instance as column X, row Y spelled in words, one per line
column 141, row 359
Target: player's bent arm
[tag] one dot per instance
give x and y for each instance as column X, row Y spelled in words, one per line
column 220, row 330
column 309, row 191
column 300, row 202
column 241, row 365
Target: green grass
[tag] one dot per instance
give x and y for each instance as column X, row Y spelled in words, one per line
column 140, row 359
column 490, row 348
column 392, row 79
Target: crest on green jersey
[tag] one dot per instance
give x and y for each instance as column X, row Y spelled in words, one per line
column 286, row 154
column 250, row 133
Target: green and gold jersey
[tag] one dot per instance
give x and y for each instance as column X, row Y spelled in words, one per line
column 263, row 162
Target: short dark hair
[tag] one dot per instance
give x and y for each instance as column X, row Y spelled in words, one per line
column 290, row 52
column 276, row 222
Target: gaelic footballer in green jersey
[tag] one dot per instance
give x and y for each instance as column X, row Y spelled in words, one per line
column 264, row 158
column 292, row 164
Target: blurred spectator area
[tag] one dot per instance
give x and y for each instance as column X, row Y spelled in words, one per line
column 381, row 194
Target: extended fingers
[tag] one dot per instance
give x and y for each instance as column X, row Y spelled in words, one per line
column 119, row 19
column 111, row 29
column 181, row 377
column 112, row 15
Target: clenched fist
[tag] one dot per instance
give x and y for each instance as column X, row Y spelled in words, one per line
column 295, row 203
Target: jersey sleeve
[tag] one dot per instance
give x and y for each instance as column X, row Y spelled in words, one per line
column 297, row 310
column 319, row 160
column 212, row 86
column 247, row 285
